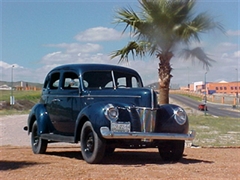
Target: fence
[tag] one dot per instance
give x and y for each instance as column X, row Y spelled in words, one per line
column 29, row 88
column 215, row 98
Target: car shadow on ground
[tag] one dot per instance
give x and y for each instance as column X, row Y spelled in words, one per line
column 12, row 165
column 128, row 157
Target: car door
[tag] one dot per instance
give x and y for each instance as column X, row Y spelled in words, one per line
column 52, row 100
column 68, row 94
column 62, row 91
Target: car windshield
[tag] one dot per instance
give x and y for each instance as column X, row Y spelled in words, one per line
column 109, row 79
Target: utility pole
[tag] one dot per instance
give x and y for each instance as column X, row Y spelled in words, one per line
column 188, row 86
column 205, row 101
column 237, row 100
column 11, row 97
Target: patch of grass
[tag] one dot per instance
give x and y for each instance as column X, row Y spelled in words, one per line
column 21, row 95
column 196, row 98
column 13, row 112
column 215, row 131
column 24, row 100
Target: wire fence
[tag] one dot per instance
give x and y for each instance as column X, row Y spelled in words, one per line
column 215, row 98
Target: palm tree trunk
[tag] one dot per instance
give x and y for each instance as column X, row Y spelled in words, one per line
column 164, row 73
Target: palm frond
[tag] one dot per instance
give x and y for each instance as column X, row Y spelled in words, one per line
column 199, row 54
column 137, row 49
column 191, row 30
column 128, row 17
column 164, row 24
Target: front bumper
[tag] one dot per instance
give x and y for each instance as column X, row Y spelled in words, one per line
column 107, row 134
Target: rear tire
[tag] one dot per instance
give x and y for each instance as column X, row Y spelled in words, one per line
column 92, row 147
column 171, row 150
column 39, row 145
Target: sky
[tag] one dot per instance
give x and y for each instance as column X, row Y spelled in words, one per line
column 38, row 35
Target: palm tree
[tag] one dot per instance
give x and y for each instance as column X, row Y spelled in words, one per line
column 162, row 28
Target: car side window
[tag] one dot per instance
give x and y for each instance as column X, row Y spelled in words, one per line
column 122, row 82
column 135, row 82
column 54, row 81
column 126, row 80
column 70, row 80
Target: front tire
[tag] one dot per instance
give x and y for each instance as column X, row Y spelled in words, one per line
column 171, row 150
column 92, row 147
column 39, row 145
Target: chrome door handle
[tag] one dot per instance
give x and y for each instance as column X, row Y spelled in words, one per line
column 56, row 100
column 90, row 98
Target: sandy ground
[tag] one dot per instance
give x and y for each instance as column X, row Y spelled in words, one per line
column 64, row 161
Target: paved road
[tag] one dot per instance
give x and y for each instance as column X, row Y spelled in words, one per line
column 213, row 109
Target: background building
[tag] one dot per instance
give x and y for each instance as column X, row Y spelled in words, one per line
column 222, row 87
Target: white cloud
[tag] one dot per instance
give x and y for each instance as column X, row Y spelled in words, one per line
column 7, row 66
column 236, row 54
column 55, row 57
column 17, row 72
column 233, row 33
column 98, row 34
column 224, row 55
column 77, row 48
column 72, row 53
column 225, row 46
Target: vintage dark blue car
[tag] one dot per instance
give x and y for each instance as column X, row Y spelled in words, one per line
column 105, row 107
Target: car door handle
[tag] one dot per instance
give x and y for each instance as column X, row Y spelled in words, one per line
column 90, row 98
column 56, row 100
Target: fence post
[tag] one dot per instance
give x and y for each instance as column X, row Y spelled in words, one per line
column 234, row 101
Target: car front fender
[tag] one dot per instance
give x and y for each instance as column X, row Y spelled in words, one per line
column 166, row 121
column 95, row 114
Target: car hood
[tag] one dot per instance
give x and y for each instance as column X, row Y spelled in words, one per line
column 141, row 97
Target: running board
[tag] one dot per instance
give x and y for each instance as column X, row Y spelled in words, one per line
column 58, row 138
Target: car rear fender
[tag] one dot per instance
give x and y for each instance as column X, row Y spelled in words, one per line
column 39, row 113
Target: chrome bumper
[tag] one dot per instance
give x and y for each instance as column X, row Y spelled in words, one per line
column 107, row 134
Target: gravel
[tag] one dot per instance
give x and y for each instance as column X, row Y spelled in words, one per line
column 12, row 132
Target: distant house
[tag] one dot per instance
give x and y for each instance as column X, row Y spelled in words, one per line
column 5, row 87
column 197, row 86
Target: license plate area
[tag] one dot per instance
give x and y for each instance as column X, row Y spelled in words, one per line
column 120, row 126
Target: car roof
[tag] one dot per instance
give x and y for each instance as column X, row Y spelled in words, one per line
column 81, row 68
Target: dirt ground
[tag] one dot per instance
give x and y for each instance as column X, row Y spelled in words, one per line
column 64, row 161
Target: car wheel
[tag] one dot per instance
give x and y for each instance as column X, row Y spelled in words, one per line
column 171, row 150
column 39, row 145
column 92, row 147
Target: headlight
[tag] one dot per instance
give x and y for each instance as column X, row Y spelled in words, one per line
column 111, row 112
column 180, row 116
